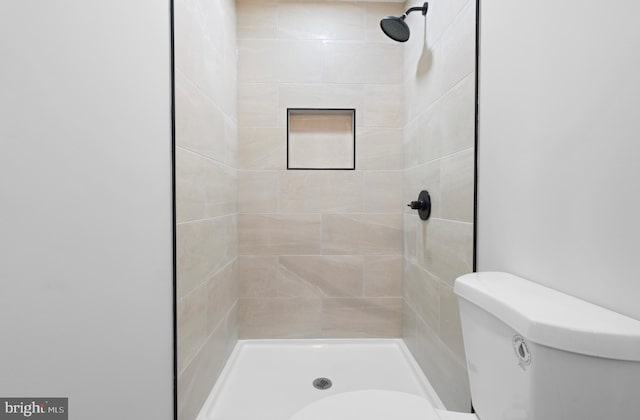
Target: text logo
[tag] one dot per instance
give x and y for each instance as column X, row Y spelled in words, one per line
column 34, row 408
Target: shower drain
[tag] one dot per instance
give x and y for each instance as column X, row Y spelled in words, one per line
column 322, row 383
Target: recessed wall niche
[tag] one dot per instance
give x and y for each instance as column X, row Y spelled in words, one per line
column 321, row 138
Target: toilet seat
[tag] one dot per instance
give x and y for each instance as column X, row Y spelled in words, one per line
column 374, row 405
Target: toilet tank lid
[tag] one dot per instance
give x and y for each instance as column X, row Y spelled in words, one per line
column 552, row 318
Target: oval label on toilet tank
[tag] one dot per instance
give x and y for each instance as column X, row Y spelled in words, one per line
column 522, row 351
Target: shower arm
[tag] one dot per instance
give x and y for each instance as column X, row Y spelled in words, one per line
column 423, row 9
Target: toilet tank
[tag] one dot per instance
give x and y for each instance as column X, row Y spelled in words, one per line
column 534, row 353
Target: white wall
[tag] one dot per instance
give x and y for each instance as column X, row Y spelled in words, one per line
column 559, row 154
column 85, row 190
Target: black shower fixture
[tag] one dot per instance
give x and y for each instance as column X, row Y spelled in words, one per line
column 396, row 28
column 422, row 204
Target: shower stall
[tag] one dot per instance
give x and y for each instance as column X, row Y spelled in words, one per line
column 302, row 132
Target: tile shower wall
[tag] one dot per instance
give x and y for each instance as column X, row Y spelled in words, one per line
column 206, row 196
column 320, row 252
column 439, row 65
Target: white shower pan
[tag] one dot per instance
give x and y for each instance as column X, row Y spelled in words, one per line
column 274, row 379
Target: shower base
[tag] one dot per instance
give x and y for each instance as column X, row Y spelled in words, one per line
column 273, row 379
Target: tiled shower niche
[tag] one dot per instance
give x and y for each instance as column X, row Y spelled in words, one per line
column 321, row 138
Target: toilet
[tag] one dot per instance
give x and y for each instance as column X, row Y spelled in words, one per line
column 533, row 353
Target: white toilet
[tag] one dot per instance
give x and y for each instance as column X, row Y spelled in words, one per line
column 533, row 353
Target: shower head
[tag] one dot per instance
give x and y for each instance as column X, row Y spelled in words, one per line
column 396, row 28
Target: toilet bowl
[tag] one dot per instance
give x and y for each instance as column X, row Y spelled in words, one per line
column 533, row 353
column 376, row 405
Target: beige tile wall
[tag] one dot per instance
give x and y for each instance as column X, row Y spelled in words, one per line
column 320, row 251
column 206, row 195
column 439, row 84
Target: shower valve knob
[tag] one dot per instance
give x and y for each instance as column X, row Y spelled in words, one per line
column 423, row 205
